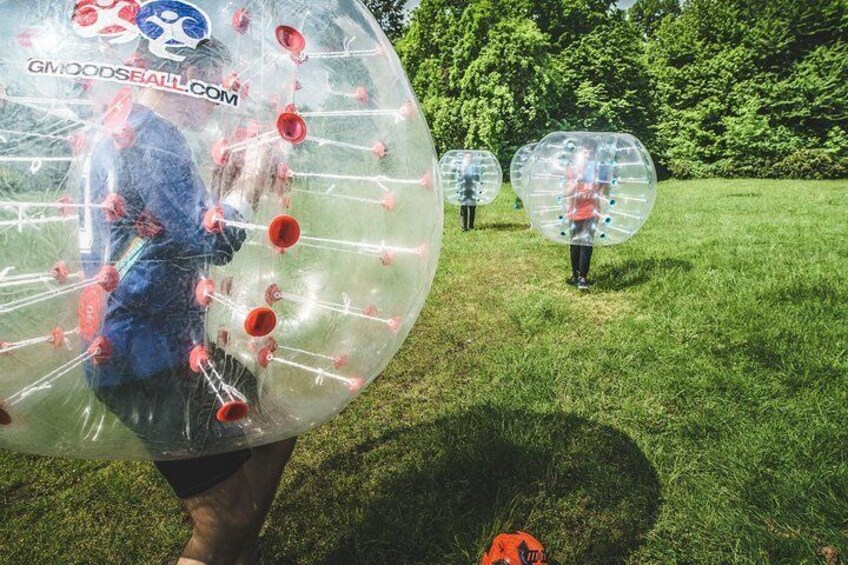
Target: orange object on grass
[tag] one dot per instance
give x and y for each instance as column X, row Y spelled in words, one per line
column 519, row 548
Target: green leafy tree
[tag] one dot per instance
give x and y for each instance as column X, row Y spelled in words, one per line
column 647, row 15
column 497, row 74
column 753, row 88
column 390, row 14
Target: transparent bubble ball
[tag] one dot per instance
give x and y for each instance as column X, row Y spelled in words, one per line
column 590, row 189
column 470, row 178
column 517, row 167
column 219, row 221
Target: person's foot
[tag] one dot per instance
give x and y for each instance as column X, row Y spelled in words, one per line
column 572, row 280
column 582, row 283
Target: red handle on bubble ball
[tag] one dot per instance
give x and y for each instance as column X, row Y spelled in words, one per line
column 114, row 207
column 233, row 411
column 291, row 127
column 198, row 357
column 213, row 220
column 284, row 232
column 108, row 278
column 100, row 350
column 290, row 39
column 260, row 322
column 241, row 20
column 204, row 291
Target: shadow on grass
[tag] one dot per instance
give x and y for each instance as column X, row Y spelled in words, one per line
column 619, row 276
column 438, row 492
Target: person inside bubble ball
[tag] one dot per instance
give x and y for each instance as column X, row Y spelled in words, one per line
column 152, row 320
column 469, row 177
column 583, row 186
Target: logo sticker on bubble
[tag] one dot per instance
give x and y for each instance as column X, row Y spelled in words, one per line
column 172, row 24
column 109, row 19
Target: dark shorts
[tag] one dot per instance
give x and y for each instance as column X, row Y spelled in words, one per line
column 174, row 413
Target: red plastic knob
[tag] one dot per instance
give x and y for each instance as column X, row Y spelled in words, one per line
column 232, row 412
column 213, row 220
column 221, row 152
column 60, row 272
column 427, row 181
column 66, row 203
column 100, row 350
column 340, row 361
column 284, row 232
column 260, row 322
column 241, row 20
column 148, row 226
column 380, row 150
column 408, row 110
column 204, row 291
column 77, row 141
column 57, row 337
column 291, row 127
column 388, row 202
column 273, row 295
column 108, row 278
column 198, row 358
column 263, row 356
column 114, row 207
column 290, row 39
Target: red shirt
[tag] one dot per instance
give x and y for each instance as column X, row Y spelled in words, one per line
column 584, row 202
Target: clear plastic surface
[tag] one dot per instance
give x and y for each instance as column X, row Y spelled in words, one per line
column 218, row 221
column 517, row 168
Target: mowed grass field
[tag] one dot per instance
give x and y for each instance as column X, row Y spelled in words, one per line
column 691, row 408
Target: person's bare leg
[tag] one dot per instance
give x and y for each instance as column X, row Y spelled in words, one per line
column 228, row 517
column 264, row 470
column 221, row 519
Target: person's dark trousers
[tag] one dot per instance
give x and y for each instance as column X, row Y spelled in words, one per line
column 581, row 259
column 466, row 216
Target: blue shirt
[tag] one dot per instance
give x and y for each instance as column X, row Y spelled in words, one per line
column 152, row 318
column 469, row 179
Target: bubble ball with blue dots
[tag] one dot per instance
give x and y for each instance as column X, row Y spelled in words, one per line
column 592, row 189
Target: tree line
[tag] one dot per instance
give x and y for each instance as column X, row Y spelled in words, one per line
column 729, row 88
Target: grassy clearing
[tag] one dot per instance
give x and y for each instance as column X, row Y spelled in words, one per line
column 690, row 409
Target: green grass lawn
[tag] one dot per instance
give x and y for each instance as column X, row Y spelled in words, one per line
column 691, row 408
